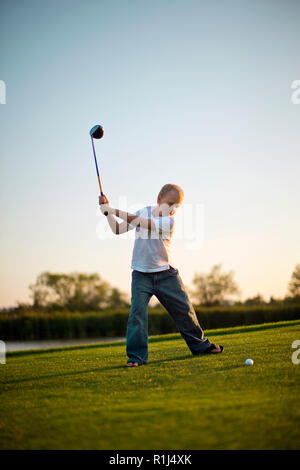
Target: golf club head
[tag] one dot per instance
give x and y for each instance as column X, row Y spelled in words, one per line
column 96, row 132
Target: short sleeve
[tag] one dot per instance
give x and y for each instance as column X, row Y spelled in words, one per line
column 164, row 225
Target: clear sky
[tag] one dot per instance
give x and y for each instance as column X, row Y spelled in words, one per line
column 192, row 92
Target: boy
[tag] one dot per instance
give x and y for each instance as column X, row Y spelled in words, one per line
column 154, row 274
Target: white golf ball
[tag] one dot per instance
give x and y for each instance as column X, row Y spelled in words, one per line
column 249, row 362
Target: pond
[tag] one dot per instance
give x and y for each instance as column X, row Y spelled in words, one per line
column 55, row 343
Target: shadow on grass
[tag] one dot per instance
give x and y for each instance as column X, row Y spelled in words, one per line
column 120, row 367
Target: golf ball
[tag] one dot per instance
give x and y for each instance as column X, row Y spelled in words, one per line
column 249, row 362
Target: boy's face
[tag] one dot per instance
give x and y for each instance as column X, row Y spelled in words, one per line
column 169, row 203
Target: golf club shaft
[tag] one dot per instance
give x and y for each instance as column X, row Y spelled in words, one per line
column 96, row 164
column 95, row 158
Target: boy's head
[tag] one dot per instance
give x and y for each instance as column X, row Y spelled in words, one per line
column 170, row 196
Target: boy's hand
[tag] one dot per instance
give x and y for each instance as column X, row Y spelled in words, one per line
column 103, row 200
column 105, row 209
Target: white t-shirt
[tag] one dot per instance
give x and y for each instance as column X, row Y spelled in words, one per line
column 151, row 251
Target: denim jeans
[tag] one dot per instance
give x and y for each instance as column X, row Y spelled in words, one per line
column 167, row 286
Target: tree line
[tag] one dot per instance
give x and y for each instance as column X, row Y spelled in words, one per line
column 220, row 288
column 75, row 292
column 89, row 292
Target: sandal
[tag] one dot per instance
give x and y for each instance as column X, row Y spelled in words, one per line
column 211, row 349
column 132, row 364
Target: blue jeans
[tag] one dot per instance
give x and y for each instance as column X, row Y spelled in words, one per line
column 167, row 286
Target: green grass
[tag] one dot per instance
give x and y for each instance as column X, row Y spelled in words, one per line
column 83, row 397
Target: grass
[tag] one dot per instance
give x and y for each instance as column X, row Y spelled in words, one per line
column 83, row 397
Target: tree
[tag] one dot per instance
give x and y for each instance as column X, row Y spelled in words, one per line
column 213, row 288
column 274, row 301
column 294, row 284
column 257, row 300
column 75, row 291
column 117, row 299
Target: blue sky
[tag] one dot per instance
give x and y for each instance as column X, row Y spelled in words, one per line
column 192, row 92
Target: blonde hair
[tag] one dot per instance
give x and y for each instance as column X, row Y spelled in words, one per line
column 167, row 188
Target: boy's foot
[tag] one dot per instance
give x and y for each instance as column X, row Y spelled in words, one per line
column 132, row 364
column 214, row 349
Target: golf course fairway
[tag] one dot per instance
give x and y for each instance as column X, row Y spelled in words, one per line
column 84, row 398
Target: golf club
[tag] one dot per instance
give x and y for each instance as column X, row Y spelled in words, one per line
column 97, row 133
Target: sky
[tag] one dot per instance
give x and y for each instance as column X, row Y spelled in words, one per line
column 191, row 92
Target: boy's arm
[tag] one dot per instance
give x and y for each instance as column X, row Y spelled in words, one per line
column 116, row 227
column 132, row 219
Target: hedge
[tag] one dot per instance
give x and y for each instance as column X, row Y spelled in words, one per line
column 31, row 325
